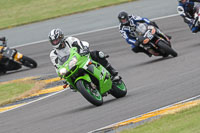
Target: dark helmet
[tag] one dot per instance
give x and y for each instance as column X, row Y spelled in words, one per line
column 123, row 18
column 4, row 41
column 56, row 38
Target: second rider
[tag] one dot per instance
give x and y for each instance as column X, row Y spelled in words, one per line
column 127, row 29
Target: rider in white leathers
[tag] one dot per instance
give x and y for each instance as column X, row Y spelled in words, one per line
column 61, row 48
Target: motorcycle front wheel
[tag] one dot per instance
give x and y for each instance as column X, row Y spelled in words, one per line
column 167, row 49
column 118, row 89
column 92, row 95
column 28, row 62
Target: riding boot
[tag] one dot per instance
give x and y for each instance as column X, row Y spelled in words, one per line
column 139, row 49
column 170, row 37
column 113, row 72
column 147, row 53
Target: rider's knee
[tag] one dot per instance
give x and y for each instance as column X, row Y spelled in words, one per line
column 135, row 49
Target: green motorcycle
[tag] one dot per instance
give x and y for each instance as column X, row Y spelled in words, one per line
column 88, row 77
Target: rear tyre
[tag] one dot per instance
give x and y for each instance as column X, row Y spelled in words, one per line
column 118, row 89
column 28, row 62
column 167, row 49
column 92, row 95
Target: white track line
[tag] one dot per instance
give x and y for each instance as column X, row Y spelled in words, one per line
column 183, row 101
column 92, row 31
column 173, row 15
column 36, row 100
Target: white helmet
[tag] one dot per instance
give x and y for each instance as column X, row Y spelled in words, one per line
column 56, row 38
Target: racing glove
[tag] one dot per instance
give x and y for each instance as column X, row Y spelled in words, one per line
column 84, row 51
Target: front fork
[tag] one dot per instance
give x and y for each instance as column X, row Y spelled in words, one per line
column 164, row 36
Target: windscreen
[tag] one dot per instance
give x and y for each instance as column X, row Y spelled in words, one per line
column 62, row 60
column 141, row 28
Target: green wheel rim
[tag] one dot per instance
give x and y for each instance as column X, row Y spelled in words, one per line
column 95, row 93
column 121, row 86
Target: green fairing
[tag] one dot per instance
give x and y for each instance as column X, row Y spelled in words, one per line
column 86, row 77
column 99, row 72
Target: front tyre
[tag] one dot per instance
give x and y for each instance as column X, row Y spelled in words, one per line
column 28, row 62
column 167, row 49
column 118, row 89
column 92, row 95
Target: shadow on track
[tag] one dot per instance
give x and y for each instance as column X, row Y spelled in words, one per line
column 15, row 71
column 81, row 109
column 88, row 107
column 85, row 108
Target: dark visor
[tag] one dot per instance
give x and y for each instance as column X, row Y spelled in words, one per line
column 124, row 20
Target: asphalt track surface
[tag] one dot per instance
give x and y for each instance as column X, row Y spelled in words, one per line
column 87, row 21
column 152, row 83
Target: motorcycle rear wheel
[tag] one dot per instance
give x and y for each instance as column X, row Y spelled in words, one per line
column 91, row 95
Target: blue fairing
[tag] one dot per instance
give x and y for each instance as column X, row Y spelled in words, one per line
column 127, row 32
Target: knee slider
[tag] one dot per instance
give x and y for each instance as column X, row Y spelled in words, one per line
column 136, row 50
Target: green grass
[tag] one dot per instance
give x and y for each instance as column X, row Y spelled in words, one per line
column 18, row 12
column 187, row 121
column 10, row 92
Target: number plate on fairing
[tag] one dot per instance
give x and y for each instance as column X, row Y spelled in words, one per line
column 148, row 35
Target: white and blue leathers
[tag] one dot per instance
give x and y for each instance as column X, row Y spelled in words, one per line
column 187, row 10
column 57, row 54
column 128, row 31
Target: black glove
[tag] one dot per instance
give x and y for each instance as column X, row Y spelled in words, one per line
column 137, row 43
column 84, row 51
column 75, row 44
